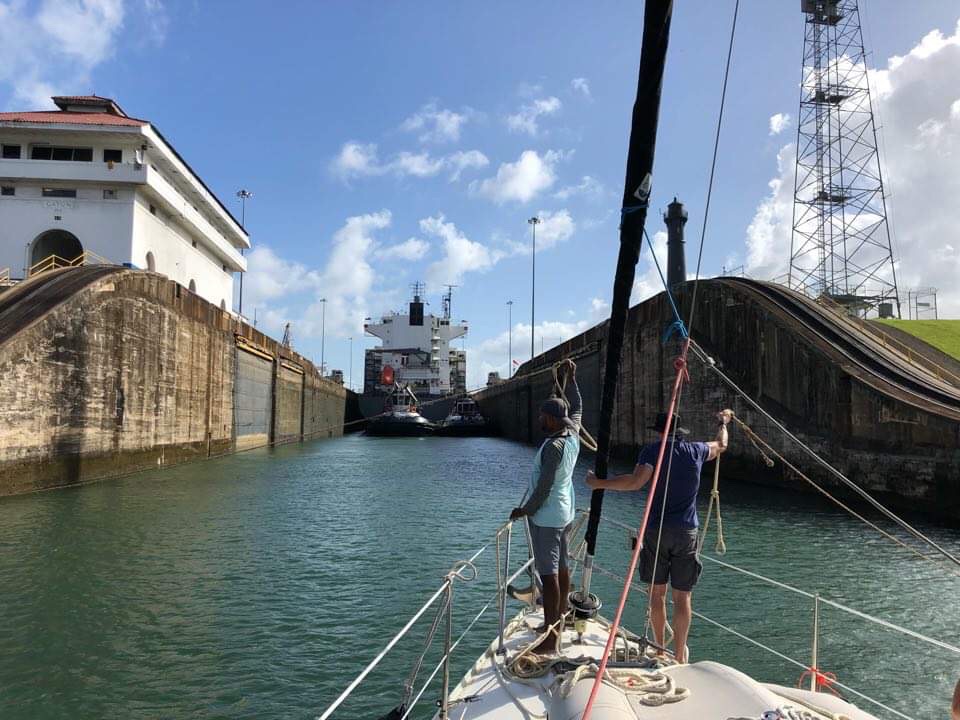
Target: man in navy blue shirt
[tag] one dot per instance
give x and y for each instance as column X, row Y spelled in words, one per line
column 674, row 506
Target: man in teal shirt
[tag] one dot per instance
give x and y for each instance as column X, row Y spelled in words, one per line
column 550, row 502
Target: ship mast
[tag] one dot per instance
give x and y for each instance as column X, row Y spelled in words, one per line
column 636, row 195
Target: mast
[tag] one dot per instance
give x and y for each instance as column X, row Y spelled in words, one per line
column 636, row 194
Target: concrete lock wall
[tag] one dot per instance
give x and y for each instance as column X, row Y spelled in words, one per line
column 253, row 399
column 134, row 372
column 902, row 453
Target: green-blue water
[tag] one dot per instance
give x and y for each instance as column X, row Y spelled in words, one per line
column 259, row 585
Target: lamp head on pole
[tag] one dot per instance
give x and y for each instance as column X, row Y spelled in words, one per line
column 244, row 194
column 534, row 220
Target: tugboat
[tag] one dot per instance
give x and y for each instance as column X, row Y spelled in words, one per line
column 399, row 417
column 464, row 420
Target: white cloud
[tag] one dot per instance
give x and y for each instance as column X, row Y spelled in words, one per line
column 412, row 249
column 554, row 228
column 493, row 354
column 522, row 180
column 416, row 164
column 360, row 160
column 588, row 186
column 916, row 99
column 357, row 160
column 460, row 254
column 460, row 161
column 779, row 123
column 526, row 119
column 435, row 124
column 648, row 283
column 581, row 86
column 55, row 48
column 270, row 277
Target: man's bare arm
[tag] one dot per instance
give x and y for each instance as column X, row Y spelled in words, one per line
column 634, row 481
column 719, row 445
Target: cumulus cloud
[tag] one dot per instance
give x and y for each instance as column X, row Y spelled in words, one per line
column 270, row 277
column 460, row 161
column 554, row 227
column 580, row 85
column 647, row 282
column 588, row 187
column 54, row 48
column 412, row 249
column 526, row 119
column 779, row 123
column 435, row 124
column 916, row 96
column 520, row 181
column 460, row 254
column 362, row 160
column 493, row 354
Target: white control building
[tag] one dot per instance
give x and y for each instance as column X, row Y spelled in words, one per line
column 417, row 347
column 87, row 180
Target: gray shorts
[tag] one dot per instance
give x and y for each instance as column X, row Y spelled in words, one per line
column 676, row 559
column 549, row 548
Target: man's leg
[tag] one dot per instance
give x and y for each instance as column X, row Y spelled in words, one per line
column 658, row 612
column 551, row 612
column 682, row 612
column 563, row 578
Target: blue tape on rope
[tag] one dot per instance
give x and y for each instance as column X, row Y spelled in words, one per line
column 633, row 208
column 676, row 326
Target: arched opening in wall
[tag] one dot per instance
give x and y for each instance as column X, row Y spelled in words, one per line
column 151, row 262
column 192, row 286
column 223, row 305
column 55, row 242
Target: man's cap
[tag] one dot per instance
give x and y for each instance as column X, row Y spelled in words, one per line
column 557, row 408
column 660, row 424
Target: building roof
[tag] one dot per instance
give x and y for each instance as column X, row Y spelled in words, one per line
column 64, row 117
column 100, row 104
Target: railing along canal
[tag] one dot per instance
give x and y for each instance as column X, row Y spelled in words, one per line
column 466, row 571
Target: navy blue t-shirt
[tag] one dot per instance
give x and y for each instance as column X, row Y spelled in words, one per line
column 681, row 507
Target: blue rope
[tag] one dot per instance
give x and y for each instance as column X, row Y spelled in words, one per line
column 677, row 324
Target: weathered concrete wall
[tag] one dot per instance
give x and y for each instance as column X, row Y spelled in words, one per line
column 135, row 372
column 902, row 453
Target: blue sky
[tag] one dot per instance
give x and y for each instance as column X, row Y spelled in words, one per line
column 330, row 111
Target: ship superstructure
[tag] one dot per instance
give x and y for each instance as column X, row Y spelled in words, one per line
column 417, row 346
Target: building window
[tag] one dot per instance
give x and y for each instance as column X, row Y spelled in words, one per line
column 46, row 152
column 193, row 243
column 8, row 190
column 11, row 152
column 151, row 262
column 109, row 194
column 193, row 286
column 153, row 210
column 59, row 193
column 115, row 156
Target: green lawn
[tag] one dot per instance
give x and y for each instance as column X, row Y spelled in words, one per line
column 942, row 334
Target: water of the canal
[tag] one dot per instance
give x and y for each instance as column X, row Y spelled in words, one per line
column 258, row 585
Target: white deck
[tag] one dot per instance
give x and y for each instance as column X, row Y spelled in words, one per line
column 716, row 691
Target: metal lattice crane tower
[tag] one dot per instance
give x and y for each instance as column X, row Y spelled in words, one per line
column 840, row 244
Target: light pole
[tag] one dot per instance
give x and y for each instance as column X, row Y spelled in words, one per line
column 323, row 335
column 534, row 221
column 244, row 195
column 510, row 337
column 351, row 364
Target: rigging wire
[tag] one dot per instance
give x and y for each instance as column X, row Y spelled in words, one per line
column 713, row 165
column 890, row 515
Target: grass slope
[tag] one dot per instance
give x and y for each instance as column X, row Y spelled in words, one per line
column 942, row 334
